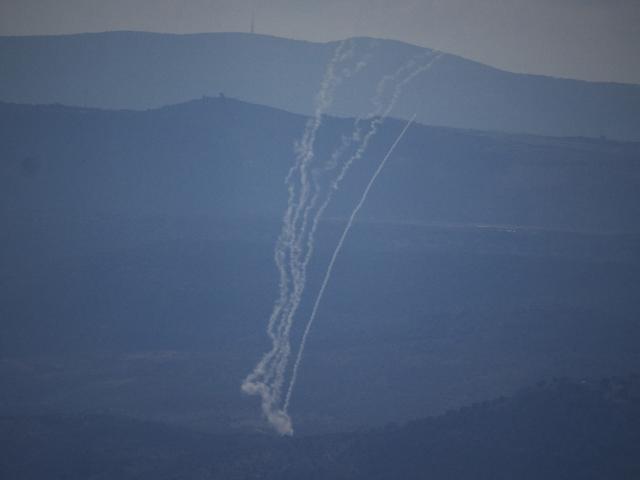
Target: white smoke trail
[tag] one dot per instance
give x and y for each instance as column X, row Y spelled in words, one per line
column 299, row 267
column 332, row 262
column 267, row 378
column 257, row 382
column 380, row 113
column 305, row 156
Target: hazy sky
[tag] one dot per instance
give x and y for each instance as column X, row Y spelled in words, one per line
column 589, row 39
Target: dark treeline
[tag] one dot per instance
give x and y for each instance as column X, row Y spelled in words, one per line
column 556, row 430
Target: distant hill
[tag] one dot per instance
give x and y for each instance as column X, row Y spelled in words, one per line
column 559, row 431
column 228, row 158
column 121, row 70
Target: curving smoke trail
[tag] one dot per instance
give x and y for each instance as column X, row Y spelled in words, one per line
column 261, row 380
column 306, row 203
column 298, row 268
column 327, row 275
column 373, row 128
column 379, row 114
column 298, row 265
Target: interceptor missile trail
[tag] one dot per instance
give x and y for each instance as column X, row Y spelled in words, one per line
column 327, row 275
column 373, row 128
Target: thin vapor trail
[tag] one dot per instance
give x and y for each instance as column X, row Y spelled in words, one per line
column 332, row 262
column 298, row 267
column 379, row 115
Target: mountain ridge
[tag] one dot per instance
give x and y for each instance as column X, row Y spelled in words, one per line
column 239, row 101
column 329, row 42
column 160, row 69
column 211, row 134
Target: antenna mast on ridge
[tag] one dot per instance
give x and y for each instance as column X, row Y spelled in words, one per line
column 253, row 23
